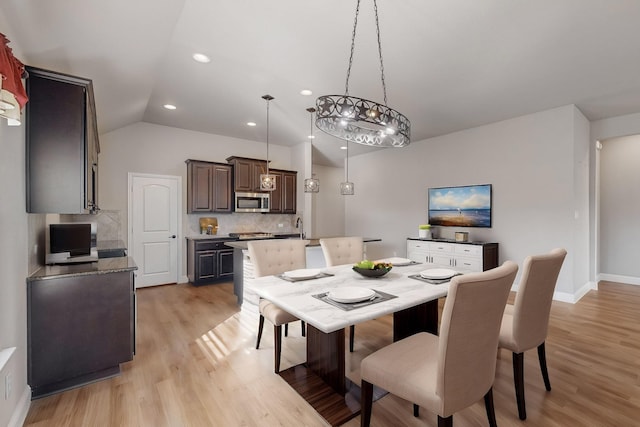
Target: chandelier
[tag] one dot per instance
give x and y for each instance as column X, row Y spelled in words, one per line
column 360, row 120
column 267, row 181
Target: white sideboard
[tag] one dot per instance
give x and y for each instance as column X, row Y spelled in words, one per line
column 459, row 256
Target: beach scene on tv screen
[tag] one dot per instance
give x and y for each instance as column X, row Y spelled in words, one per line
column 468, row 206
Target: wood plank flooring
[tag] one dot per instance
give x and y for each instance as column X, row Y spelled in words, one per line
column 196, row 365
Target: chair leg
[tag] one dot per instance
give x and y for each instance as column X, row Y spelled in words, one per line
column 260, row 326
column 286, row 329
column 352, row 333
column 366, row 403
column 416, row 410
column 518, row 379
column 491, row 411
column 445, row 422
column 542, row 357
column 277, row 339
column 304, row 329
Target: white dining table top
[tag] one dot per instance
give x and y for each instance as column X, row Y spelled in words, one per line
column 297, row 297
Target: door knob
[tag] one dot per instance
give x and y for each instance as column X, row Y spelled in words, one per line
column 173, row 236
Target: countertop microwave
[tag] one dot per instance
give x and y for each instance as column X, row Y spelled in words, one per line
column 252, row 202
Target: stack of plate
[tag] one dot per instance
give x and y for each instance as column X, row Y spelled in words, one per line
column 351, row 294
column 438, row 273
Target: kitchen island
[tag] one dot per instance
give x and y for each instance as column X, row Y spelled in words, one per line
column 243, row 268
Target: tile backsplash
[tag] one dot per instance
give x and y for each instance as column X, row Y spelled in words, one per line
column 109, row 223
column 245, row 222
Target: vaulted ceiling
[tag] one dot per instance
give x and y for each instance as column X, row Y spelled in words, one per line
column 449, row 65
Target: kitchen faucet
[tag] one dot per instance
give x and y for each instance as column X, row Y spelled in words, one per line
column 300, row 225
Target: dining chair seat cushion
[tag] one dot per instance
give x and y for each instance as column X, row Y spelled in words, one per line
column 409, row 382
column 275, row 314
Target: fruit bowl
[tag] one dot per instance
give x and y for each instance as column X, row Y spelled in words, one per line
column 373, row 270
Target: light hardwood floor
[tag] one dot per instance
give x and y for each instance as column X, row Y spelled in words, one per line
column 196, row 365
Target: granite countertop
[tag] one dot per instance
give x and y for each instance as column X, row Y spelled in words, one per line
column 242, row 244
column 102, row 266
column 469, row 242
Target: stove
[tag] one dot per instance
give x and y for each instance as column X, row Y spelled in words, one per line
column 250, row 235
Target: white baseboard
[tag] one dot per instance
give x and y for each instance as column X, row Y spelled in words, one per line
column 183, row 279
column 571, row 298
column 627, row 280
column 22, row 409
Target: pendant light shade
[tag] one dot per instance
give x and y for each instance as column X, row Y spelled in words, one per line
column 360, row 120
column 267, row 181
column 346, row 187
column 311, row 185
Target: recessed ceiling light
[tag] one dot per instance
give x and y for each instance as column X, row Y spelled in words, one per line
column 344, row 147
column 169, row 106
column 311, row 137
column 201, row 57
column 251, row 124
column 306, row 92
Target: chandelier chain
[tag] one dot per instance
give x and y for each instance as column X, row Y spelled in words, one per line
column 353, row 46
column 384, row 86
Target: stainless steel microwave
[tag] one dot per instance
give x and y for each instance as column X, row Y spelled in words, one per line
column 252, row 202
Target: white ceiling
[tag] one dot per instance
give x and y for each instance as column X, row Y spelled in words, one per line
column 449, row 64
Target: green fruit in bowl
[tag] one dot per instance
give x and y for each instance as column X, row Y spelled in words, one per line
column 366, row 264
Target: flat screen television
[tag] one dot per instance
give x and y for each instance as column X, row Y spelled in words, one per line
column 71, row 243
column 463, row 206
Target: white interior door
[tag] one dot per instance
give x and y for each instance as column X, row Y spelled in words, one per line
column 153, row 225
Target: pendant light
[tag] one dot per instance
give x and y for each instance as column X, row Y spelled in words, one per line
column 311, row 185
column 346, row 187
column 267, row 181
column 361, row 120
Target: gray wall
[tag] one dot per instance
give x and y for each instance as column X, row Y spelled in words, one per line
column 538, row 165
column 620, row 206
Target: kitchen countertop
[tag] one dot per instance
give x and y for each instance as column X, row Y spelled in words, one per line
column 313, row 242
column 102, row 266
column 226, row 236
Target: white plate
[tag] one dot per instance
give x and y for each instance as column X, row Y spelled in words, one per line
column 396, row 261
column 350, row 294
column 303, row 273
column 438, row 273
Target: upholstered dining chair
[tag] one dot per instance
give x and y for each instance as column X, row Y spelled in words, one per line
column 275, row 257
column 452, row 371
column 343, row 250
column 525, row 323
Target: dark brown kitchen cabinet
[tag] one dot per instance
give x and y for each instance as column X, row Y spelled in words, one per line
column 80, row 326
column 209, row 261
column 283, row 198
column 246, row 173
column 208, row 187
column 61, row 143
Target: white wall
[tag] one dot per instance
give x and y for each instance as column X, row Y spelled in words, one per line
column 620, row 207
column 537, row 189
column 328, row 208
column 14, row 267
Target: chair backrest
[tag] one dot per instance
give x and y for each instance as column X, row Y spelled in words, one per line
column 533, row 300
column 342, row 250
column 469, row 331
column 276, row 256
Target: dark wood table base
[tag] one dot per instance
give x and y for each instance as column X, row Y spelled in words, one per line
column 322, row 382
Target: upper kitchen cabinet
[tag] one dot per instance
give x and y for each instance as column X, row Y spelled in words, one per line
column 61, row 143
column 246, row 173
column 283, row 198
column 208, row 187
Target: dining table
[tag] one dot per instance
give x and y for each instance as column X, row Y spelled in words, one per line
column 321, row 298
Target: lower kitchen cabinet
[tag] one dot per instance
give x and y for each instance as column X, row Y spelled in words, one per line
column 209, row 261
column 460, row 256
column 80, row 324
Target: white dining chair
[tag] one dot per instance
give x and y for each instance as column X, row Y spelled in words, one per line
column 271, row 257
column 343, row 250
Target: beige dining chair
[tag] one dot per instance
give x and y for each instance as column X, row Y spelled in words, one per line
column 452, row 371
column 343, row 250
column 271, row 257
column 525, row 323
